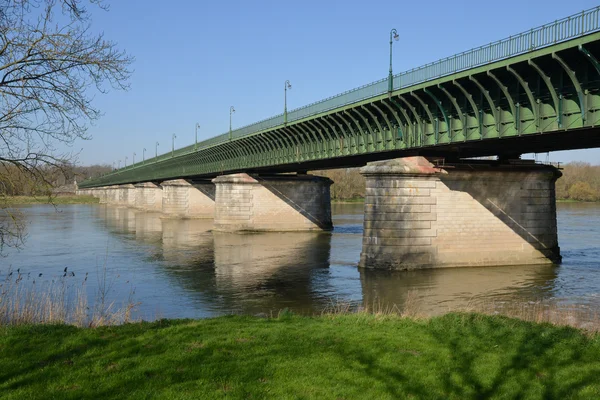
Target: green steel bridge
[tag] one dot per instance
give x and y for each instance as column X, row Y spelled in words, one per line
column 536, row 91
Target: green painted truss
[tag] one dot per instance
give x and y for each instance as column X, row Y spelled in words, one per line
column 451, row 108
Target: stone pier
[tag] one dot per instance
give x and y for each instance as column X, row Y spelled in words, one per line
column 126, row 195
column 148, row 196
column 272, row 203
column 418, row 215
column 100, row 193
column 112, row 195
column 188, row 199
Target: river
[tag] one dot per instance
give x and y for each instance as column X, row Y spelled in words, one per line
column 173, row 268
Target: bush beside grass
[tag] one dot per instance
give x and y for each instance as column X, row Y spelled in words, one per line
column 354, row 356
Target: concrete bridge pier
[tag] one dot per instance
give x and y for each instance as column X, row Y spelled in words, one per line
column 126, row 195
column 418, row 215
column 272, row 203
column 188, row 199
column 112, row 195
column 100, row 193
column 148, row 196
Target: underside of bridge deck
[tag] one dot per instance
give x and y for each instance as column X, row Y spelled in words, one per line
column 544, row 100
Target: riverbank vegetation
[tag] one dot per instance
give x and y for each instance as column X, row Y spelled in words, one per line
column 27, row 298
column 358, row 356
column 54, row 344
column 580, row 182
column 55, row 200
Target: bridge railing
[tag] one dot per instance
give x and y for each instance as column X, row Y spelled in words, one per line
column 576, row 25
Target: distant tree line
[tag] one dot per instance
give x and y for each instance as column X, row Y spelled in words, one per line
column 15, row 181
column 580, row 182
column 348, row 183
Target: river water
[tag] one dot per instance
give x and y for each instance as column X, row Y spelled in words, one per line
column 176, row 268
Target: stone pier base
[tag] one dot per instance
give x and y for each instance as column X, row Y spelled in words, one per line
column 420, row 216
column 272, row 203
column 101, row 193
column 112, row 195
column 188, row 199
column 148, row 196
column 126, row 195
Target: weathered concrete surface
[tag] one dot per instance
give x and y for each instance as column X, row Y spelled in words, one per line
column 112, row 195
column 101, row 193
column 188, row 199
column 420, row 216
column 126, row 195
column 272, row 203
column 148, row 196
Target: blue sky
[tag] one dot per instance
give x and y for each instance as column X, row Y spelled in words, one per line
column 197, row 58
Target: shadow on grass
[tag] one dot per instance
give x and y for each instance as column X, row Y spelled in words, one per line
column 496, row 355
column 455, row 356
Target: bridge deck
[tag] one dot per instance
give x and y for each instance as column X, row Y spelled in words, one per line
column 534, row 92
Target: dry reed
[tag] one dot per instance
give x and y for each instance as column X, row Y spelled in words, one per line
column 62, row 300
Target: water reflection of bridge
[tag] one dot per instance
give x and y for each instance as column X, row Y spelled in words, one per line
column 436, row 291
column 249, row 273
column 263, row 272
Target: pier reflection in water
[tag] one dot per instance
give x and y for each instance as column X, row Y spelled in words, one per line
column 180, row 268
column 232, row 272
column 441, row 290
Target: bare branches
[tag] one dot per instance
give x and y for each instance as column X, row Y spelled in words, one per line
column 50, row 67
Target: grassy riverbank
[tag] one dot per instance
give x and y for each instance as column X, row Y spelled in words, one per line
column 17, row 200
column 358, row 356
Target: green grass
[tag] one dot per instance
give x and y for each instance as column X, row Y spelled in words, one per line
column 356, row 356
column 50, row 200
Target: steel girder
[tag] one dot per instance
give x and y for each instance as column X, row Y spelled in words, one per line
column 550, row 90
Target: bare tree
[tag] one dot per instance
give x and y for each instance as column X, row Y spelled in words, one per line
column 51, row 65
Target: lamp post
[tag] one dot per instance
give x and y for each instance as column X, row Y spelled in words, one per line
column 119, row 164
column 156, row 151
column 173, row 145
column 125, row 162
column 133, row 159
column 393, row 36
column 114, row 165
column 144, row 156
column 286, row 86
column 196, row 143
column 231, row 111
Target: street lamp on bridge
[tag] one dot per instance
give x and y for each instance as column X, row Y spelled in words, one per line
column 133, row 159
column 125, row 161
column 173, row 145
column 156, row 150
column 286, row 86
column 393, row 36
column 144, row 156
column 114, row 165
column 119, row 164
column 196, row 143
column 231, row 111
